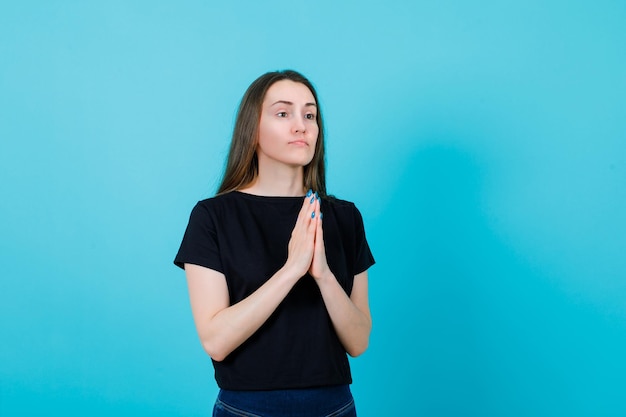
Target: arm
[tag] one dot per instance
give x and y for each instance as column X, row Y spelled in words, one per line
column 223, row 327
column 350, row 315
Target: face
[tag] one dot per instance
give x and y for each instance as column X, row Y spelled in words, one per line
column 288, row 126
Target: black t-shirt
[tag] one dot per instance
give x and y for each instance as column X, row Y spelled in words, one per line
column 245, row 237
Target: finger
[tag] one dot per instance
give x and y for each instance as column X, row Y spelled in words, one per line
column 309, row 205
column 318, row 207
column 319, row 232
column 305, row 211
column 314, row 216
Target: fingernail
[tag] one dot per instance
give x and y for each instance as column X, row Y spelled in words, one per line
column 308, row 193
column 312, row 200
column 321, row 215
column 313, row 215
column 317, row 196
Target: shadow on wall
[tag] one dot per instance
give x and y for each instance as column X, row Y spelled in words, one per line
column 464, row 325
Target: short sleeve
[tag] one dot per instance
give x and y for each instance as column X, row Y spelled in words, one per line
column 200, row 245
column 364, row 258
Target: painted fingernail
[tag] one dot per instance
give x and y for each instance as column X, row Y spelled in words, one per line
column 313, row 215
column 317, row 196
column 321, row 216
column 312, row 200
column 308, row 193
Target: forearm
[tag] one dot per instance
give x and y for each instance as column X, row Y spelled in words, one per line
column 352, row 324
column 232, row 326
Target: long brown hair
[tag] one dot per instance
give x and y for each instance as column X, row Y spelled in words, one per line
column 242, row 165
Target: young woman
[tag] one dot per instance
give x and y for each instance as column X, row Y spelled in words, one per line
column 276, row 268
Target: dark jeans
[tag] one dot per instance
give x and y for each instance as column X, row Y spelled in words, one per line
column 333, row 401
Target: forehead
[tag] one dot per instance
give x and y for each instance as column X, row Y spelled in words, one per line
column 287, row 90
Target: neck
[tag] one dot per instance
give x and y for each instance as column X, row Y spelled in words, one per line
column 285, row 182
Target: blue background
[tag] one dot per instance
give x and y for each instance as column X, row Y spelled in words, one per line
column 484, row 143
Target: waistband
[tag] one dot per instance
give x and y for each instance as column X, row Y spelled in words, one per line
column 307, row 402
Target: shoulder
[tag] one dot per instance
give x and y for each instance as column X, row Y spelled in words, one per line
column 213, row 208
column 219, row 198
column 344, row 210
column 217, row 202
column 340, row 205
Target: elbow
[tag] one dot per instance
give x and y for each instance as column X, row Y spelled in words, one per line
column 359, row 344
column 357, row 349
column 216, row 352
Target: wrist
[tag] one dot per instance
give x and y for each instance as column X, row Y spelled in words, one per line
column 290, row 272
column 325, row 277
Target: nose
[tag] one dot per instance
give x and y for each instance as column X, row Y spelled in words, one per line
column 298, row 125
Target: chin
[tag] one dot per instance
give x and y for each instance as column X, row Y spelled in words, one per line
column 306, row 162
column 302, row 162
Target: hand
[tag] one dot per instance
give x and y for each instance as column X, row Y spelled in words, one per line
column 319, row 265
column 302, row 242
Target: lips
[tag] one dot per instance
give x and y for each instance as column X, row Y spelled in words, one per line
column 299, row 142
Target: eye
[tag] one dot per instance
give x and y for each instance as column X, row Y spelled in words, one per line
column 309, row 116
column 281, row 114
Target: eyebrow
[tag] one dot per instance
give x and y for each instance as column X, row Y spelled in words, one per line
column 290, row 103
